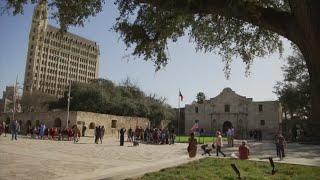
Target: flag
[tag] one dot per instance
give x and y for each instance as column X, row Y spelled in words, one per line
column 195, row 127
column 180, row 95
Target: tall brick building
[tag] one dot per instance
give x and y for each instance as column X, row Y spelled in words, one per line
column 54, row 59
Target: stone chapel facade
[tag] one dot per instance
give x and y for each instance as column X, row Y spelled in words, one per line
column 230, row 109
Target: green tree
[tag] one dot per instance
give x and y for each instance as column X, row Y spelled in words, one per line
column 201, row 97
column 36, row 102
column 244, row 28
column 294, row 91
column 126, row 99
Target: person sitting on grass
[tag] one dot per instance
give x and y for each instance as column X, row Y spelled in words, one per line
column 243, row 151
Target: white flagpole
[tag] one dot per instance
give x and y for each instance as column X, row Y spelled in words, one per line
column 179, row 114
column 14, row 98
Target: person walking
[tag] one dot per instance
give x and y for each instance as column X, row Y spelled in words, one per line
column 14, row 129
column 76, row 133
column 192, row 147
column 122, row 131
column 102, row 130
column 97, row 134
column 219, row 144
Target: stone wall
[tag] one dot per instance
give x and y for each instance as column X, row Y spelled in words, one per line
column 59, row 119
column 111, row 123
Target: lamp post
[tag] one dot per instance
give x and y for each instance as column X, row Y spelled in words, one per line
column 68, row 113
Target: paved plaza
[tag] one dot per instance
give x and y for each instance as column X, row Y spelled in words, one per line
column 47, row 159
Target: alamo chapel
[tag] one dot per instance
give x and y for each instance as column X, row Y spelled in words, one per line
column 229, row 109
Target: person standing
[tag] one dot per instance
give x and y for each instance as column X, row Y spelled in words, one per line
column 281, row 146
column 219, row 144
column 42, row 129
column 129, row 135
column 229, row 136
column 84, row 128
column 172, row 136
column 102, row 130
column 122, row 131
column 97, row 134
column 232, row 136
column 192, row 147
column 14, row 129
column 1, row 129
column 4, row 128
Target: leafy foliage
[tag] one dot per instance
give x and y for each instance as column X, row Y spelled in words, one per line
column 156, row 25
column 126, row 99
column 201, row 97
column 36, row 102
column 294, row 92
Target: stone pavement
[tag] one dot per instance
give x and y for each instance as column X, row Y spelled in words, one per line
column 47, row 159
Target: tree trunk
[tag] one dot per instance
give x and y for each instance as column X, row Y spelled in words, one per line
column 307, row 31
column 315, row 94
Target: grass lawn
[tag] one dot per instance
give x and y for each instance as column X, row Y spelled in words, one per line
column 213, row 168
column 201, row 140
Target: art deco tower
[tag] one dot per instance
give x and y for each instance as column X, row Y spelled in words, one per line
column 54, row 60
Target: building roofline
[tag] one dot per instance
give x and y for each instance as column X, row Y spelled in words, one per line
column 53, row 28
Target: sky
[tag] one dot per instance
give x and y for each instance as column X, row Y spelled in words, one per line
column 187, row 70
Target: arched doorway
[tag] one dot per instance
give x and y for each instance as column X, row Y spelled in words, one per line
column 92, row 125
column 226, row 125
column 57, row 123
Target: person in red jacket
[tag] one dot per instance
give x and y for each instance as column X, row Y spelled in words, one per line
column 243, row 151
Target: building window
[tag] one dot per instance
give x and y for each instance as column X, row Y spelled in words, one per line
column 227, row 108
column 260, row 108
column 262, row 122
column 196, row 109
column 114, row 124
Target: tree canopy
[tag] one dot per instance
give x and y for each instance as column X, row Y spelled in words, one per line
column 125, row 99
column 201, row 97
column 294, row 92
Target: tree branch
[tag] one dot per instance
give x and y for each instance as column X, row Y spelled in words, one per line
column 275, row 20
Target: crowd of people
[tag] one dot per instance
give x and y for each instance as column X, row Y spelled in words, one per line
column 99, row 134
column 255, row 134
column 149, row 135
column 243, row 149
column 41, row 131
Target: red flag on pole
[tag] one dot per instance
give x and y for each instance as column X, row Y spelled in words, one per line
column 180, row 95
